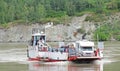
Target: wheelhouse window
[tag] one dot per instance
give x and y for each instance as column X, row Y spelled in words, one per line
column 37, row 37
column 77, row 44
column 86, row 48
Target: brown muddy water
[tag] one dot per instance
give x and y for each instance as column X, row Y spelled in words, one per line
column 13, row 58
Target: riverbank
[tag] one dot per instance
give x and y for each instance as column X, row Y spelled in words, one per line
column 72, row 31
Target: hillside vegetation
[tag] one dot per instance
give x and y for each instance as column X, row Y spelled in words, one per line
column 60, row 12
column 52, row 10
column 108, row 31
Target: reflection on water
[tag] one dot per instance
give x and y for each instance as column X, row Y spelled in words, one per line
column 65, row 66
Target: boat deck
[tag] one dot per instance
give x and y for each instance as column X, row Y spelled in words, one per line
column 88, row 57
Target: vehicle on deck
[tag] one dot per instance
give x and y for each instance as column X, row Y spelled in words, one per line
column 85, row 50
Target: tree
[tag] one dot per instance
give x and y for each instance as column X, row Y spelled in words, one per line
column 70, row 8
column 40, row 12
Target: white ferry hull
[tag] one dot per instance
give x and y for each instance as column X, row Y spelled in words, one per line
column 46, row 56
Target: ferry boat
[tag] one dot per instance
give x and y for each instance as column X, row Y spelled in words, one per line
column 85, row 50
column 39, row 50
column 82, row 50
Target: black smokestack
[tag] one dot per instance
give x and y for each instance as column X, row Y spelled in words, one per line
column 83, row 37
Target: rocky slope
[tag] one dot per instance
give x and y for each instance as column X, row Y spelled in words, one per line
column 73, row 31
column 70, row 32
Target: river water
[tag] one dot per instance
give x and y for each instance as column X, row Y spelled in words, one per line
column 13, row 58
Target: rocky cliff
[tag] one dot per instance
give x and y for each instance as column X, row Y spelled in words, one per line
column 70, row 32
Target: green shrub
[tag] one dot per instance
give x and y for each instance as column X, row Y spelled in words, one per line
column 54, row 14
column 103, row 33
column 117, row 37
column 101, row 36
column 111, row 5
column 96, row 18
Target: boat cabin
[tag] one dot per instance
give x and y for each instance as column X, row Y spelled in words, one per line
column 85, row 48
column 38, row 37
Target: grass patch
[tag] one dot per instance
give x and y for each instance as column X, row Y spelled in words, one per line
column 96, row 17
column 56, row 20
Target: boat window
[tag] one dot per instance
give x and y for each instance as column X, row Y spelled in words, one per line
column 86, row 48
column 34, row 41
column 37, row 37
column 31, row 41
column 77, row 44
column 43, row 37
